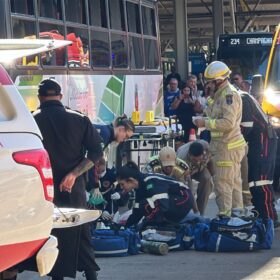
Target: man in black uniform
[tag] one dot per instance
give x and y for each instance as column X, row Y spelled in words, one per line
column 67, row 136
column 262, row 142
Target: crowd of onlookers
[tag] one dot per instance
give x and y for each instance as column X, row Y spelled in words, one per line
column 185, row 99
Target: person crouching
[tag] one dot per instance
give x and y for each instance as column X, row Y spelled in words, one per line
column 158, row 198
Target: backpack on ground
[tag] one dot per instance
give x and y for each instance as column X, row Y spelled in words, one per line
column 115, row 243
column 233, row 235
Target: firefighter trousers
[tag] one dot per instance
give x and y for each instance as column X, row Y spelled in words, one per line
column 227, row 179
column 247, row 197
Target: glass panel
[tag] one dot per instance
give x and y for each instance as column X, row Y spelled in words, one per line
column 247, row 61
column 22, row 7
column 133, row 18
column 25, row 29
column 119, row 51
column 97, row 13
column 100, row 48
column 50, row 9
column 151, row 54
column 136, row 53
column 52, row 31
column 117, row 14
column 75, row 11
column 149, row 21
column 78, row 52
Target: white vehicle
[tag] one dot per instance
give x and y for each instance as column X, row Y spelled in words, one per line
column 26, row 185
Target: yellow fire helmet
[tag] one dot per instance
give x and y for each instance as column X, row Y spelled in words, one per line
column 216, row 70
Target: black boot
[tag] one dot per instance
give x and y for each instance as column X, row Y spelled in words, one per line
column 90, row 274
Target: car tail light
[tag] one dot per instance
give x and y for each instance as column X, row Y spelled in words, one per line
column 40, row 160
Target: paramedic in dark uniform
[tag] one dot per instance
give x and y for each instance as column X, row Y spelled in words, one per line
column 68, row 136
column 118, row 132
column 158, row 198
column 262, row 142
column 121, row 130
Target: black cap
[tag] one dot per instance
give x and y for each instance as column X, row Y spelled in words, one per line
column 49, row 87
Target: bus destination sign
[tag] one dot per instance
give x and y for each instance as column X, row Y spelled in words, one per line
column 247, row 41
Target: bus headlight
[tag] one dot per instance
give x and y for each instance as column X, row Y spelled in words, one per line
column 272, row 97
column 275, row 122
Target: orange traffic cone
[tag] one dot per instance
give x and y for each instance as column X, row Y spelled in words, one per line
column 192, row 136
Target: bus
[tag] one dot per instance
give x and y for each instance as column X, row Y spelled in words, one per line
column 271, row 97
column 112, row 64
column 245, row 53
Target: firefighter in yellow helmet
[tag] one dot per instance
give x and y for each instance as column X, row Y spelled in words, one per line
column 227, row 143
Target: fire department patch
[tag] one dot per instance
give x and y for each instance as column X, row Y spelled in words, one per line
column 229, row 99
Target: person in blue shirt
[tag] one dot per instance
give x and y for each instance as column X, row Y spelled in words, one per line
column 169, row 95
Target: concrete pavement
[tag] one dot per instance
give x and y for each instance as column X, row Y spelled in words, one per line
column 190, row 264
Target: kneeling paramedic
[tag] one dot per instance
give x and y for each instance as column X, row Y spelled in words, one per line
column 167, row 163
column 158, row 198
column 112, row 196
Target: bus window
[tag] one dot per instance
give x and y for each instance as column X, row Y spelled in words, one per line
column 119, row 51
column 151, row 54
column 136, row 52
column 25, row 29
column 149, row 22
column 52, row 31
column 98, row 13
column 78, row 52
column 75, row 11
column 116, row 11
column 133, row 17
column 50, row 9
column 25, row 7
column 100, row 48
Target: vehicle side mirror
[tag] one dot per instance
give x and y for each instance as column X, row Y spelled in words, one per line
column 257, row 88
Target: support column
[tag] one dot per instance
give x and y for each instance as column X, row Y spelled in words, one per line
column 218, row 21
column 181, row 49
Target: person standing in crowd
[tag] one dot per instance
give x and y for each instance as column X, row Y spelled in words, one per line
column 200, row 82
column 227, row 143
column 183, row 106
column 172, row 75
column 68, row 136
column 262, row 141
column 199, row 100
column 245, row 86
column 169, row 95
column 237, row 80
column 158, row 198
column 201, row 168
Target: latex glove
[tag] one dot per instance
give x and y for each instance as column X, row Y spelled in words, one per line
column 115, row 196
column 106, row 216
column 97, row 193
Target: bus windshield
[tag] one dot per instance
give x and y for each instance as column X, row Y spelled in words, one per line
column 245, row 53
column 274, row 77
